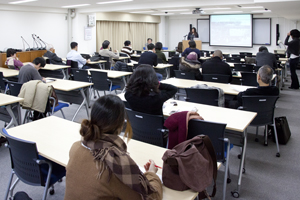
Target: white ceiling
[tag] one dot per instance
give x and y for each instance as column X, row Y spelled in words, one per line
column 289, row 9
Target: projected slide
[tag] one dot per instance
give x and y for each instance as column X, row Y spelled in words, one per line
column 231, row 30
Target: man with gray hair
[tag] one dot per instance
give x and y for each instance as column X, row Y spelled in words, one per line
column 264, row 78
column 54, row 59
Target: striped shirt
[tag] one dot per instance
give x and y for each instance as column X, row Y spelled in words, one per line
column 127, row 50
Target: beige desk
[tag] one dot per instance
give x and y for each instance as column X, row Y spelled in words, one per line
column 227, row 88
column 136, row 55
column 283, row 59
column 54, row 143
column 159, row 66
column 9, row 72
column 6, row 101
column 67, row 86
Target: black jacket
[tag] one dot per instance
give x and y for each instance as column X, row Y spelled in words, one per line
column 293, row 46
column 151, row 104
column 54, row 59
column 216, row 66
column 187, row 65
column 149, row 58
column 266, row 58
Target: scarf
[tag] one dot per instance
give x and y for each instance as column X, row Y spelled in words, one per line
column 112, row 151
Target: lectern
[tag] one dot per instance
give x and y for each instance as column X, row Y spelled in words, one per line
column 185, row 44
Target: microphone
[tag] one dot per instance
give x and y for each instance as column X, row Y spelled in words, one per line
column 34, row 41
column 42, row 42
column 38, row 40
column 28, row 49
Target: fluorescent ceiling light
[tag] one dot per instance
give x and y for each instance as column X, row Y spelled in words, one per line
column 253, row 7
column 74, row 6
column 163, row 14
column 24, row 1
column 229, row 12
column 260, row 11
column 119, row 1
column 179, row 10
column 215, row 8
column 148, row 11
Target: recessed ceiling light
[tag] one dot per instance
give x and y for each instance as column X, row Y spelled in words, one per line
column 74, row 6
column 229, row 12
column 178, row 10
column 215, row 8
column 118, row 1
column 163, row 14
column 260, row 11
column 148, row 11
column 23, row 1
column 253, row 7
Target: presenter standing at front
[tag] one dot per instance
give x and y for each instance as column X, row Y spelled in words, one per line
column 193, row 34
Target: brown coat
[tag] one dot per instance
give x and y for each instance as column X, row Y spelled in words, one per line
column 82, row 182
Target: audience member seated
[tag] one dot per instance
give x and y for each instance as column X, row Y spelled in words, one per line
column 192, row 48
column 127, row 49
column 75, row 56
column 216, row 66
column 159, row 53
column 30, row 71
column 12, row 61
column 54, row 59
column 150, row 58
column 107, row 53
column 191, row 64
column 264, row 77
column 145, row 94
column 149, row 41
column 264, row 57
column 100, row 167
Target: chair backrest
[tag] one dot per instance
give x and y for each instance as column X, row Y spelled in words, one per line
column 264, row 107
column 107, row 64
column 256, row 68
column 123, row 54
column 216, row 78
column 14, row 88
column 185, row 75
column 159, row 60
column 203, row 96
column 233, row 59
column 138, row 52
column 100, row 80
column 245, row 54
column 147, row 128
column 73, row 64
column 215, row 131
column 23, row 156
column 2, row 82
column 171, row 54
column 243, row 67
column 80, row 75
column 204, row 53
column 249, row 78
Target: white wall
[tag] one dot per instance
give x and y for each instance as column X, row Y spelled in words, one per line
column 178, row 26
column 162, row 30
column 50, row 26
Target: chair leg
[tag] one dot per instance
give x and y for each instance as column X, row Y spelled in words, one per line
column 25, row 117
column 266, row 135
column 104, row 92
column 276, row 139
column 228, row 176
column 226, row 168
column 256, row 137
column 9, row 183
column 62, row 112
column 98, row 94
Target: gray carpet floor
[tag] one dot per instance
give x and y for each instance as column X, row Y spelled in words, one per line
column 267, row 177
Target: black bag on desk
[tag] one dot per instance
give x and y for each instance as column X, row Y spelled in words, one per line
column 283, row 130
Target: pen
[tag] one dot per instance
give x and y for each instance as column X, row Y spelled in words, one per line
column 158, row 167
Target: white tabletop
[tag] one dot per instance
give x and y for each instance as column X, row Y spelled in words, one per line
column 67, row 85
column 136, row 55
column 159, row 66
column 6, row 99
column 111, row 73
column 54, row 143
column 53, row 67
column 9, row 72
column 121, row 58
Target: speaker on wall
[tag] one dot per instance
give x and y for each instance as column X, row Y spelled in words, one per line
column 277, row 33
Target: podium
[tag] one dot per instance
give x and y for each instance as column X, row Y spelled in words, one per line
column 185, row 44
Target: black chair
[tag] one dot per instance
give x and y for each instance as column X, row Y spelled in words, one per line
column 14, row 88
column 175, row 62
column 81, row 75
column 102, row 83
column 215, row 131
column 31, row 168
column 159, row 60
column 185, row 75
column 245, row 54
column 2, row 83
column 243, row 67
column 107, row 65
column 138, row 52
column 264, row 107
column 147, row 128
column 203, row 96
column 233, row 59
column 256, row 68
column 123, row 54
column 204, row 53
column 171, row 54
column 74, row 65
column 216, row 78
column 249, row 79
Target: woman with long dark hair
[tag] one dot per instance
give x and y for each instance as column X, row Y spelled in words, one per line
column 193, row 34
column 100, row 166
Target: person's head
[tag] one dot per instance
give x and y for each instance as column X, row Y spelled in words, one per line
column 105, row 44
column 11, row 53
column 39, row 63
column 151, row 47
column 295, row 33
column 49, row 47
column 158, row 46
column 263, row 48
column 218, row 53
column 143, row 81
column 149, row 40
column 127, row 43
column 192, row 44
column 194, row 30
column 264, row 75
column 74, row 46
column 107, row 117
column 192, row 56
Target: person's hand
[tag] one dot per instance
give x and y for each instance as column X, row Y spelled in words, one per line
column 289, row 33
column 44, row 79
column 150, row 166
column 88, row 60
column 194, row 115
column 115, row 51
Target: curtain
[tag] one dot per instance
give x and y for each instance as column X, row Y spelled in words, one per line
column 118, row 32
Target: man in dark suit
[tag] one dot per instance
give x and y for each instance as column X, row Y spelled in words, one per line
column 54, row 59
column 264, row 57
column 216, row 66
column 150, row 58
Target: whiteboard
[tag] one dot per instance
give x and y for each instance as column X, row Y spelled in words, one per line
column 262, row 31
column 203, row 29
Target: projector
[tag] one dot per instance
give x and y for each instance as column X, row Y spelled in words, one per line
column 197, row 11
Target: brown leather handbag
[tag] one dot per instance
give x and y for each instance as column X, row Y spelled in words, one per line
column 191, row 164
